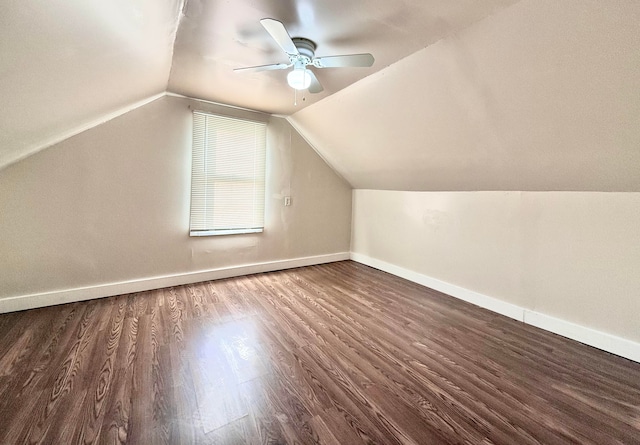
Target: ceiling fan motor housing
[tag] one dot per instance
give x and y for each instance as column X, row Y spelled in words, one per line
column 301, row 53
column 306, row 48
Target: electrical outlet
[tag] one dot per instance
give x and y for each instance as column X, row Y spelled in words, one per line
column 287, row 201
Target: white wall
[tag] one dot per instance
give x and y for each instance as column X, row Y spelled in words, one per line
column 574, row 256
column 112, row 205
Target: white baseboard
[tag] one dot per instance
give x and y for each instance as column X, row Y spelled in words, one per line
column 597, row 339
column 493, row 304
column 31, row 301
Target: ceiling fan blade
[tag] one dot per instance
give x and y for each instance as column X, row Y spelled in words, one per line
column 350, row 60
column 280, row 35
column 275, row 66
column 315, row 86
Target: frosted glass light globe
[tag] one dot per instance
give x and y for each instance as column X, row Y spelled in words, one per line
column 299, row 78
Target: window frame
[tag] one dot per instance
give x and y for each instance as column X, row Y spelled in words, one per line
column 261, row 178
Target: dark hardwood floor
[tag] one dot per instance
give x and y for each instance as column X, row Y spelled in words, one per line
column 332, row 354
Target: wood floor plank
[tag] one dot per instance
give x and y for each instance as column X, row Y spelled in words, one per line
column 100, row 377
column 265, row 425
column 143, row 395
column 63, row 384
column 333, row 354
column 115, row 427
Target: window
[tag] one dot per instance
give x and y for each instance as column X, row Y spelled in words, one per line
column 227, row 176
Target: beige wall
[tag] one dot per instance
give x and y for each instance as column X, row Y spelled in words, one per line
column 543, row 95
column 570, row 255
column 65, row 65
column 112, row 204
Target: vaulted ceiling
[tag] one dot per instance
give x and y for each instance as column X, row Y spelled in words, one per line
column 543, row 96
column 68, row 64
column 217, row 36
column 463, row 95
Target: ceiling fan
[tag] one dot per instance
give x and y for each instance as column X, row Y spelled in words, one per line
column 301, row 54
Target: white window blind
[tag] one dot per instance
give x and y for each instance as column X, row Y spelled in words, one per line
column 227, row 177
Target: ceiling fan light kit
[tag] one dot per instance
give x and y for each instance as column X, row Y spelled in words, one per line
column 299, row 78
column 301, row 53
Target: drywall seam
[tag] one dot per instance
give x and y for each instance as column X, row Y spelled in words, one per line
column 597, row 339
column 80, row 129
column 182, row 10
column 22, row 302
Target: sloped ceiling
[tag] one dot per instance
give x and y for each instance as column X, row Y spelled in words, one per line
column 542, row 96
column 67, row 65
column 216, row 36
column 64, row 64
column 464, row 94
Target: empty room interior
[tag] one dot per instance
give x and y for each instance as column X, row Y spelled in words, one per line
column 320, row 222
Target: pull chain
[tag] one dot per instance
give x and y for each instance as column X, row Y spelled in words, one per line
column 295, row 97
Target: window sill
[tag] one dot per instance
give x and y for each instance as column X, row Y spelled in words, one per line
column 224, row 232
